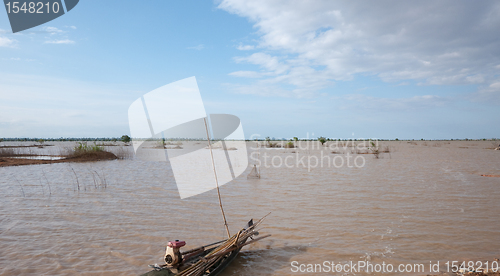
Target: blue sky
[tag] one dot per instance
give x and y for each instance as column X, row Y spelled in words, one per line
column 333, row 68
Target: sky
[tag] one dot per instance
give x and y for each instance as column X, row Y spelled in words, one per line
column 339, row 69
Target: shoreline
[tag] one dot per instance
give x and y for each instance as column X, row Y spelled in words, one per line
column 89, row 157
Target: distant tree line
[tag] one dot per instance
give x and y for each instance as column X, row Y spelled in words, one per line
column 324, row 139
column 124, row 138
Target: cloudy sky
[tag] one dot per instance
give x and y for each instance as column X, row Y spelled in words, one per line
column 343, row 69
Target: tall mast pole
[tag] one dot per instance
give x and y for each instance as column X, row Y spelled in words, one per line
column 216, row 181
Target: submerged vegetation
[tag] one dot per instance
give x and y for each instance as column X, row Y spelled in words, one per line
column 375, row 150
column 125, row 139
column 289, row 145
column 8, row 152
column 17, row 155
column 93, row 152
column 271, row 144
column 65, row 139
column 82, row 147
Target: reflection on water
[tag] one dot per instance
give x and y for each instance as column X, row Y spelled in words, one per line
column 416, row 204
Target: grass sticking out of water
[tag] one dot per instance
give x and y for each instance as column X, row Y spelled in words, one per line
column 83, row 147
column 9, row 152
column 91, row 152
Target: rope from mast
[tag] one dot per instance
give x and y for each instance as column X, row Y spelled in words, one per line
column 216, row 181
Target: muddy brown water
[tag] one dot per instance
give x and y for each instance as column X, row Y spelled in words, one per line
column 425, row 201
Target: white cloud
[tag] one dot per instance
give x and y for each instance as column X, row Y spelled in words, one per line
column 6, row 42
column 60, row 41
column 265, row 90
column 489, row 94
column 269, row 63
column 19, row 59
column 438, row 43
column 305, row 79
column 495, row 85
column 198, row 47
column 58, row 36
column 52, row 30
column 246, row 74
column 245, row 47
column 475, row 78
column 369, row 103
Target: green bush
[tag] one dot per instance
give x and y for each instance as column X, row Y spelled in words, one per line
column 322, row 140
column 82, row 147
column 125, row 139
column 289, row 145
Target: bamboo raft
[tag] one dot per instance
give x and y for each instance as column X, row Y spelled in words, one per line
column 211, row 259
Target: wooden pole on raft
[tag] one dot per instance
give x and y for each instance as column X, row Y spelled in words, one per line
column 216, row 181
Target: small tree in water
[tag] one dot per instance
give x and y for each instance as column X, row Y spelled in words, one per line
column 289, row 145
column 322, row 140
column 125, row 139
column 375, row 150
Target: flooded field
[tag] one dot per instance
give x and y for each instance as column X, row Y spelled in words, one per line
column 423, row 201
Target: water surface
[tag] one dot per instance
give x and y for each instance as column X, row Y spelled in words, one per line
column 425, row 201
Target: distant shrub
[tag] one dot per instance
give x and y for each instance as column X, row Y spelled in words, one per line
column 322, row 140
column 8, row 152
column 83, row 147
column 83, row 151
column 289, row 145
column 374, row 149
column 125, row 139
